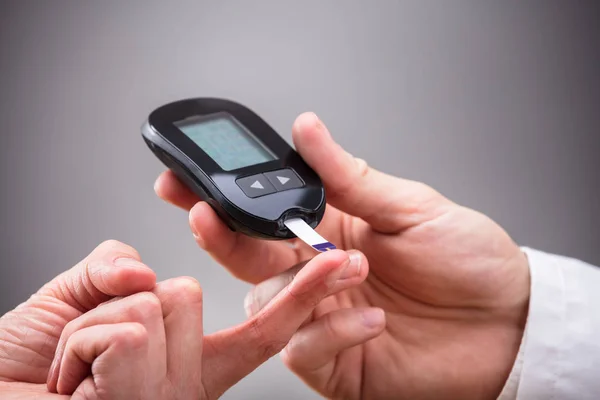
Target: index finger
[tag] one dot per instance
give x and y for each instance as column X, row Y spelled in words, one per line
column 241, row 349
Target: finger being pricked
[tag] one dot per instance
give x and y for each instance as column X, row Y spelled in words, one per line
column 321, row 337
column 260, row 295
column 239, row 350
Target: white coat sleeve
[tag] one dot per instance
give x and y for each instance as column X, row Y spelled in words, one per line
column 559, row 356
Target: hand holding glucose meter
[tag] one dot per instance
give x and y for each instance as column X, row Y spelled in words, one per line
column 233, row 160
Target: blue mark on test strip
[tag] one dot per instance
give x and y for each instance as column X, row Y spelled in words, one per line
column 324, row 246
column 308, row 235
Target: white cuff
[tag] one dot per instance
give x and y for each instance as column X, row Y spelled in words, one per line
column 559, row 356
column 509, row 392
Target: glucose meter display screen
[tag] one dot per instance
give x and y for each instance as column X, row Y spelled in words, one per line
column 226, row 141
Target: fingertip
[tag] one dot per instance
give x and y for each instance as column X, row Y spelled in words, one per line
column 200, row 210
column 208, row 229
column 356, row 255
column 116, row 269
column 361, row 263
column 354, row 273
column 320, row 273
column 160, row 184
column 373, row 319
column 337, row 257
column 129, row 280
column 331, row 258
column 305, row 121
column 199, row 219
column 126, row 276
column 325, row 156
column 308, row 130
column 170, row 189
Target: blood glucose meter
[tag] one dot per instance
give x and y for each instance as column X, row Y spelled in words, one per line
column 233, row 160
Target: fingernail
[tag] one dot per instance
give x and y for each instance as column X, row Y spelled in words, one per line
column 130, row 263
column 199, row 239
column 318, row 124
column 373, row 317
column 196, row 234
column 353, row 268
column 52, row 371
column 336, row 274
column 248, row 303
column 191, row 220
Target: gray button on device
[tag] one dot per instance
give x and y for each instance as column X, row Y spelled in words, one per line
column 284, row 179
column 255, row 185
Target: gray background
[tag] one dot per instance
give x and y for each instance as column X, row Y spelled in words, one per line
column 496, row 104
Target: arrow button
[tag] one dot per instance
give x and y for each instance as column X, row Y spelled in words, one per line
column 255, row 185
column 284, row 179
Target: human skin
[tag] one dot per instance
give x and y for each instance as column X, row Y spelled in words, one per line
column 452, row 283
column 106, row 330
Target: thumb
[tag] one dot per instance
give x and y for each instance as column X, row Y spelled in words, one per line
column 111, row 269
column 232, row 354
column 387, row 203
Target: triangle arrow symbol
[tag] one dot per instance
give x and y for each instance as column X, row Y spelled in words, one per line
column 257, row 185
column 283, row 179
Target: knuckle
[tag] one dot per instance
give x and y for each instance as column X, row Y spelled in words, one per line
column 109, row 302
column 270, row 348
column 70, row 328
column 349, row 185
column 144, row 306
column 76, row 336
column 287, row 356
column 188, row 285
column 309, row 299
column 430, row 202
column 131, row 336
column 88, row 392
column 110, row 244
column 362, row 167
column 330, row 328
column 266, row 345
column 186, row 288
column 115, row 246
column 425, row 189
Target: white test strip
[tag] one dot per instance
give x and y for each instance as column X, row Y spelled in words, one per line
column 308, row 235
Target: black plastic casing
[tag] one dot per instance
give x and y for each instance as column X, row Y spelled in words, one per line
column 261, row 217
